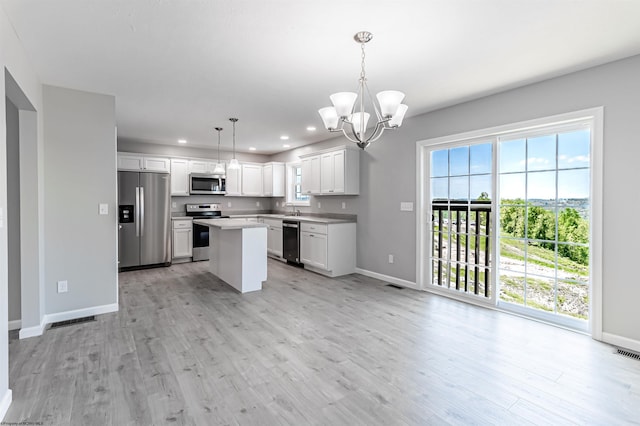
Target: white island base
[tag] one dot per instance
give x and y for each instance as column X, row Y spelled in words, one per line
column 237, row 252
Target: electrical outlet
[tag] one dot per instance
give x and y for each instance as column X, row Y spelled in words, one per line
column 229, row 204
column 406, row 206
column 344, row 205
column 257, row 203
column 390, row 258
column 319, row 204
column 103, row 209
column 174, row 205
column 62, row 286
column 277, row 204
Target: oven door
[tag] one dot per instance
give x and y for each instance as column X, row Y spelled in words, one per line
column 200, row 242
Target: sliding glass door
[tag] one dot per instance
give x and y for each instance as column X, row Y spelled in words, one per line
column 508, row 220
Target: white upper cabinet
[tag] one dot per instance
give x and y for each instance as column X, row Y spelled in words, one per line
column 273, row 179
column 179, row 177
column 157, row 164
column 252, row 179
column 201, row 166
column 139, row 162
column 310, row 174
column 332, row 172
column 234, row 182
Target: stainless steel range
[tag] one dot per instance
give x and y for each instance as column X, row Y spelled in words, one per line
column 200, row 232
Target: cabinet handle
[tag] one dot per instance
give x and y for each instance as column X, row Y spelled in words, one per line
column 331, row 190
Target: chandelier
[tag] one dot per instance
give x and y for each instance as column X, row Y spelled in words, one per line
column 346, row 110
column 219, row 168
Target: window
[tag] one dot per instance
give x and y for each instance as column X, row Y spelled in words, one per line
column 295, row 197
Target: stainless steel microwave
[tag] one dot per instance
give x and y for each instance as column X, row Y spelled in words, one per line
column 202, row 183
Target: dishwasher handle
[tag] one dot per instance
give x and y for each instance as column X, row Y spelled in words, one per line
column 289, row 225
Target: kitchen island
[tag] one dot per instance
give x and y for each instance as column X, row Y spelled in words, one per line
column 237, row 252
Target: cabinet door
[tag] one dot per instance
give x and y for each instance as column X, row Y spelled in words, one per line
column 156, row 164
column 278, row 180
column 197, row 166
column 182, row 242
column 338, row 166
column 252, row 180
column 179, row 177
column 313, row 249
column 130, row 162
column 273, row 235
column 326, row 173
column 267, row 180
column 311, row 175
column 233, row 183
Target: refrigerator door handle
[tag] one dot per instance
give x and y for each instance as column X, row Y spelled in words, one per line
column 142, row 211
column 137, row 213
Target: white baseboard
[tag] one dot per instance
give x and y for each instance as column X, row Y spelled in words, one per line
column 387, row 278
column 15, row 325
column 620, row 341
column 32, row 331
column 64, row 316
column 4, row 404
column 80, row 313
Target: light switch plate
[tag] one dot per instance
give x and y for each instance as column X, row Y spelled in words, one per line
column 62, row 286
column 174, row 204
column 104, row 209
column 319, row 204
column 406, row 206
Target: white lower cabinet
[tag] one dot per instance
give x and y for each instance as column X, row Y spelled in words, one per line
column 329, row 249
column 182, row 238
column 313, row 249
column 274, row 236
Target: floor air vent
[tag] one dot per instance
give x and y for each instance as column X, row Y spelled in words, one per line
column 395, row 286
column 628, row 354
column 73, row 321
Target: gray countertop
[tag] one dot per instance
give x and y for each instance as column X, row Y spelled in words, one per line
column 301, row 218
column 181, row 218
column 225, row 224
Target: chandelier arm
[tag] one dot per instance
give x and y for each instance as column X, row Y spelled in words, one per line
column 377, row 132
column 355, row 135
column 373, row 102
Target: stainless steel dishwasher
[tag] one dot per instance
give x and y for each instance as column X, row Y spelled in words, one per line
column 291, row 241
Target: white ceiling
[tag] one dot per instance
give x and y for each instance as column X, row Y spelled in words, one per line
column 180, row 68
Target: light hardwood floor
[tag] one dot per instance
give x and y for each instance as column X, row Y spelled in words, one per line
column 187, row 349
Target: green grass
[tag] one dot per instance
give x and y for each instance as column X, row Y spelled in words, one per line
column 514, row 249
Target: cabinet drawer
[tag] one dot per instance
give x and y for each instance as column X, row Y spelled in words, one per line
column 313, row 227
column 181, row 224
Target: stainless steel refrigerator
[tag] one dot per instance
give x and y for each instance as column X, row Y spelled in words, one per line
column 144, row 217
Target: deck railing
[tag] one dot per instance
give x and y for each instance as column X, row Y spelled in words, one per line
column 461, row 245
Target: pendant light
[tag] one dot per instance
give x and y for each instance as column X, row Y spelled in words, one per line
column 219, row 168
column 346, row 110
column 233, row 164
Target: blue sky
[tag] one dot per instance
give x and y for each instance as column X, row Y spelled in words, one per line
column 470, row 168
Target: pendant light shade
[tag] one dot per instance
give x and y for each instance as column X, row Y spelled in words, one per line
column 234, row 164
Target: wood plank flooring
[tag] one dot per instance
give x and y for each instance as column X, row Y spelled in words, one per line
column 187, row 349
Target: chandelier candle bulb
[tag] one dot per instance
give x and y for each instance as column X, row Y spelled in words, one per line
column 347, row 108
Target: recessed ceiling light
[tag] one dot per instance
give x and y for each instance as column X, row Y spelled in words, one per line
column 311, row 128
column 284, row 137
column 286, row 146
column 182, row 141
column 252, row 148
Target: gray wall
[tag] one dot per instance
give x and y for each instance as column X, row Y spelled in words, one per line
column 148, row 147
column 13, row 208
column 80, row 173
column 388, row 175
column 229, row 205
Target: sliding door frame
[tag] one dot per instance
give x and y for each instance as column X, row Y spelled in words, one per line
column 423, row 247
